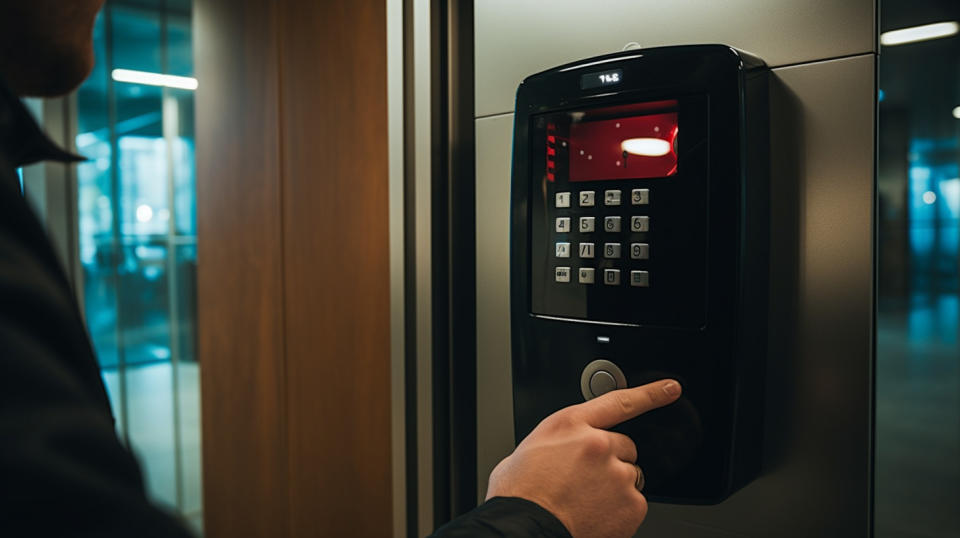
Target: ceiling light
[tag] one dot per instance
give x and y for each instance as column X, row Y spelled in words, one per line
column 919, row 33
column 154, row 79
column 956, row 112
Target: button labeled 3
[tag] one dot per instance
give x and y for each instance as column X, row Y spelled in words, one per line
column 640, row 196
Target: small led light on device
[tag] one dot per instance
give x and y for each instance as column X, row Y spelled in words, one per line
column 646, row 147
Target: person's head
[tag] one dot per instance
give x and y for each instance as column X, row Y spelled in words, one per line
column 46, row 46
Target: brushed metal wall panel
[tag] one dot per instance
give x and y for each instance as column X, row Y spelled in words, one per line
column 517, row 38
column 818, row 414
column 817, row 462
column 494, row 382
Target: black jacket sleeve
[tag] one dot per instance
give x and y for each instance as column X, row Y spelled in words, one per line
column 63, row 472
column 505, row 516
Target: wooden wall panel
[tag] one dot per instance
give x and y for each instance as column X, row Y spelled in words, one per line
column 334, row 130
column 293, row 271
column 239, row 269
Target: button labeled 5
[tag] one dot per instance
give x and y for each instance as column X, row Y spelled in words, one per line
column 587, row 224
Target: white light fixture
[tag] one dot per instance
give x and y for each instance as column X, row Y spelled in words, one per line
column 956, row 112
column 929, row 197
column 154, row 79
column 919, row 33
column 646, row 147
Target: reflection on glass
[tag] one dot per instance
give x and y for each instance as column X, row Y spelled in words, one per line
column 137, row 225
column 917, row 488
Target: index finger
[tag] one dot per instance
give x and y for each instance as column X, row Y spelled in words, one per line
column 616, row 406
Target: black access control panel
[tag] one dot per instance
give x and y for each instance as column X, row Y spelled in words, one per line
column 639, row 251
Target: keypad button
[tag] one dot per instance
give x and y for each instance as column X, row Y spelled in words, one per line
column 611, row 277
column 563, row 199
column 611, row 224
column 586, row 250
column 563, row 250
column 611, row 197
column 639, row 224
column 563, row 274
column 611, row 250
column 587, row 275
column 639, row 251
column 563, row 224
column 640, row 279
column 640, row 196
column 587, row 224
column 588, row 198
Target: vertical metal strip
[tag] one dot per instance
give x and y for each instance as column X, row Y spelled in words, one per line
column 460, row 172
column 396, row 200
column 420, row 158
column 439, row 262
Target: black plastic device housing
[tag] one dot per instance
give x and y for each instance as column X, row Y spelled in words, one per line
column 702, row 320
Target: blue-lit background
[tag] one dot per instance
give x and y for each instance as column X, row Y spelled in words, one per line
column 917, row 465
column 137, row 241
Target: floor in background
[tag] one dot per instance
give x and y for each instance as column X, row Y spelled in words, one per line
column 918, row 419
column 147, row 400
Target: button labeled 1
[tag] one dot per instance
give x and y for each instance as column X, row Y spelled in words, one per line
column 563, row 199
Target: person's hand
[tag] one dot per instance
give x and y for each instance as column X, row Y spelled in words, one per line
column 582, row 473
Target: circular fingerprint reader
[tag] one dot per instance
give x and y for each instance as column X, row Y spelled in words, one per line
column 600, row 377
column 602, row 382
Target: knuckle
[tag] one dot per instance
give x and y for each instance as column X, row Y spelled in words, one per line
column 596, row 445
column 640, row 508
column 624, row 403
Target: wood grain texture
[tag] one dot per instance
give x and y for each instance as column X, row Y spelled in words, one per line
column 239, row 270
column 334, row 132
column 293, row 281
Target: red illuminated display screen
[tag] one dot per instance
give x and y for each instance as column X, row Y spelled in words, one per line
column 631, row 147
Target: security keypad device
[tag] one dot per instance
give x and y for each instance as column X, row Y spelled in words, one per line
column 638, row 252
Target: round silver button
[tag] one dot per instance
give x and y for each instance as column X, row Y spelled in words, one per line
column 602, row 382
column 600, row 377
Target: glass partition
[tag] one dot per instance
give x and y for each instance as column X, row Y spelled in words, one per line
column 137, row 238
column 917, row 459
